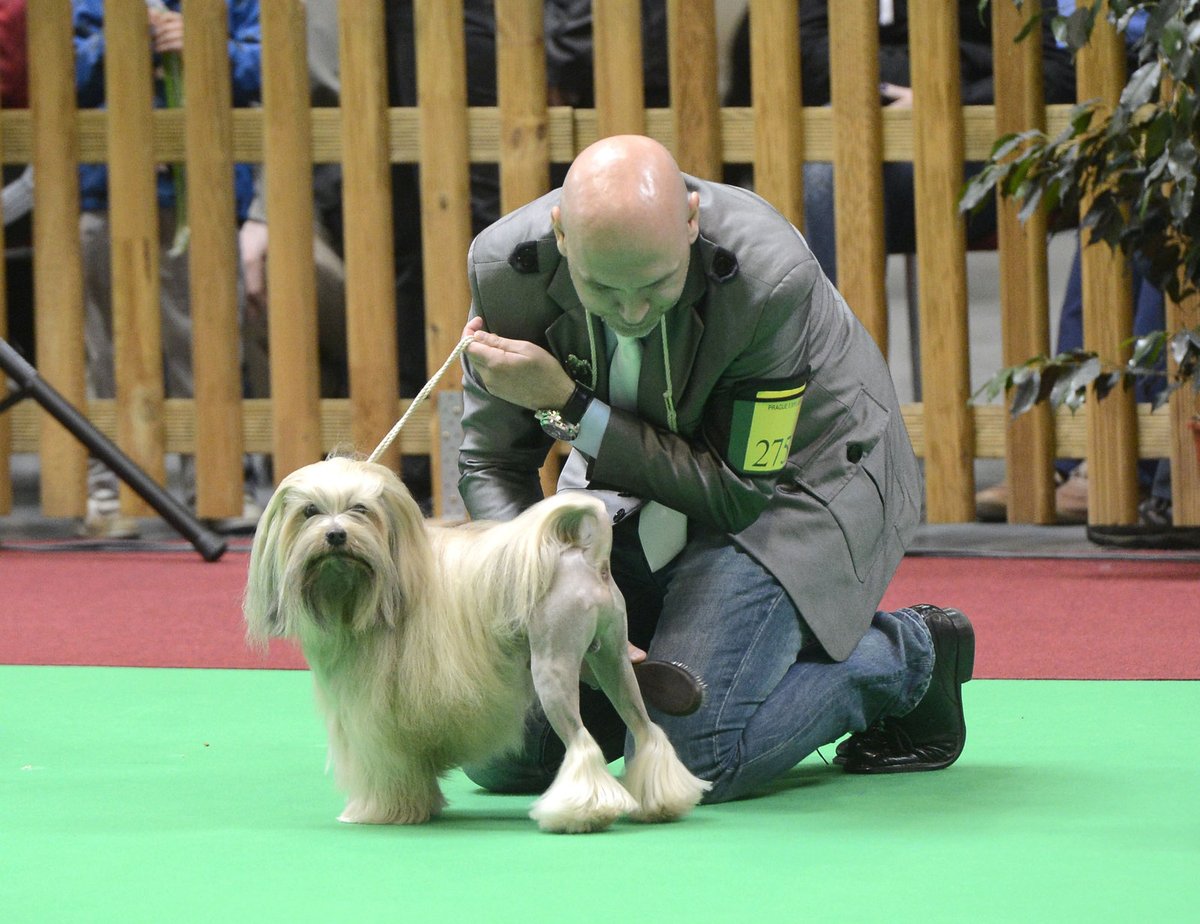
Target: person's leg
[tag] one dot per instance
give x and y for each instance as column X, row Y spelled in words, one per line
column 97, row 304
column 772, row 695
column 819, row 229
column 175, row 298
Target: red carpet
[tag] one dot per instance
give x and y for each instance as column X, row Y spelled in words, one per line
column 1034, row 618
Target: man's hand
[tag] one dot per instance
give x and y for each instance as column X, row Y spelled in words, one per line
column 517, row 371
column 166, row 29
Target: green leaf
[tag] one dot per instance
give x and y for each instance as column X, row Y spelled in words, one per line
column 1025, row 393
column 1141, row 85
column 1147, row 349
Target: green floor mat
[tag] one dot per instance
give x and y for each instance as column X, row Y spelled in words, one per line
column 175, row 795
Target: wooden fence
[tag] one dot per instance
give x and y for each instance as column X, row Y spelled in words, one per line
column 524, row 136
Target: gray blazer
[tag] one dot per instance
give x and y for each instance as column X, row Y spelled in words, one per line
column 828, row 515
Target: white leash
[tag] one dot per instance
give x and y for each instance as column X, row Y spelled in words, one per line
column 417, row 401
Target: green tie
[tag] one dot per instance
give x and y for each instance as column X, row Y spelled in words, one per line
column 662, row 531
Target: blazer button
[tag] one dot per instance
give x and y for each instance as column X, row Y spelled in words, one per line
column 854, row 453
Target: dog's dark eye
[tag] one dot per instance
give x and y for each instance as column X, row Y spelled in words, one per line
column 359, row 508
column 310, row 511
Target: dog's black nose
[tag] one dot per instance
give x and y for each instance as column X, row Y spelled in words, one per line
column 336, row 537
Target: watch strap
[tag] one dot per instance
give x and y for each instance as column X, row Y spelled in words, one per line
column 572, row 412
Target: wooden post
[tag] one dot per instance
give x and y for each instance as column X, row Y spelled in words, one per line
column 291, row 276
column 370, row 268
column 57, row 264
column 776, row 100
column 445, row 190
column 858, row 162
column 213, row 269
column 941, row 256
column 617, row 64
column 1184, row 409
column 521, row 87
column 695, row 106
column 134, row 232
column 1024, row 293
column 1107, row 316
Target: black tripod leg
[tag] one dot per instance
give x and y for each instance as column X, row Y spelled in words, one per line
column 210, row 545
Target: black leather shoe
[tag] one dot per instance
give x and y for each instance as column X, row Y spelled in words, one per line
column 931, row 736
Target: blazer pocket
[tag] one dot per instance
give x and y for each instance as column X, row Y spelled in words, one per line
column 846, row 473
column 826, row 469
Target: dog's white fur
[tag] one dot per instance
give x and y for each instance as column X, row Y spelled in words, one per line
column 427, row 644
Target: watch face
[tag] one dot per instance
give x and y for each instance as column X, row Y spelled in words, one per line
column 553, row 425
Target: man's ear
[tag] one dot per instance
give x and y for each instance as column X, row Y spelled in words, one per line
column 693, row 217
column 559, row 235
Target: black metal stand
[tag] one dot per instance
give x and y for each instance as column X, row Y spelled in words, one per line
column 30, row 385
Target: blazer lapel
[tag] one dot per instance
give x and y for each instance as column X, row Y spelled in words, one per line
column 684, row 329
column 568, row 336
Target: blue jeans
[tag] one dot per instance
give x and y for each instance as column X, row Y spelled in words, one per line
column 773, row 696
column 1149, row 313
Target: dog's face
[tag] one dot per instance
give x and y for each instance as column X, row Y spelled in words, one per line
column 341, row 546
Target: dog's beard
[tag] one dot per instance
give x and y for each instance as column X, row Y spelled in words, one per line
column 337, row 587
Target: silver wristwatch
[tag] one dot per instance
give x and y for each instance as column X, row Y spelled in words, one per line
column 564, row 424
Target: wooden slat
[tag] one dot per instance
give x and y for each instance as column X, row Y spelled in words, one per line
column 692, row 53
column 291, row 277
column 445, row 188
column 257, row 425
column 858, row 163
column 1154, row 429
column 134, row 231
column 57, row 265
column 617, row 66
column 521, row 85
column 1184, row 415
column 1107, row 316
column 941, row 260
column 775, row 94
column 1024, row 293
column 367, row 204
column 570, row 130
column 212, row 267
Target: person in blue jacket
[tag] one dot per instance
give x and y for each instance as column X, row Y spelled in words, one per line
column 165, row 34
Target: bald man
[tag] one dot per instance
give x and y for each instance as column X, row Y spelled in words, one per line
column 743, row 429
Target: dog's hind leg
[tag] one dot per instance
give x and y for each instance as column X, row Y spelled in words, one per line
column 584, row 795
column 663, row 787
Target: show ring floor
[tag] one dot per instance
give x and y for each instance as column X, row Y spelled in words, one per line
column 199, row 795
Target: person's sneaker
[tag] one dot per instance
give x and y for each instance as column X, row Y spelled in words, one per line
column 932, row 735
column 1155, row 512
column 1071, row 497
column 104, row 519
column 241, row 525
column 991, row 503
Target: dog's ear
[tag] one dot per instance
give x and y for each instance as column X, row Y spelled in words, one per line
column 409, row 548
column 260, row 606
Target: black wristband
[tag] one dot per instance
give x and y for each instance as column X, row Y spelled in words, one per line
column 572, row 412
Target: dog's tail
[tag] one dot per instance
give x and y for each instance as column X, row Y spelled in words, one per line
column 571, row 519
column 522, row 555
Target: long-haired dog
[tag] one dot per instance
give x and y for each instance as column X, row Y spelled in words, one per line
column 427, row 644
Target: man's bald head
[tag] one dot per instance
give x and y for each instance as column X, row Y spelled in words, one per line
column 626, row 222
column 626, row 181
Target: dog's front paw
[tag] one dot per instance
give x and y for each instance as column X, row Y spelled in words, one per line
column 374, row 812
